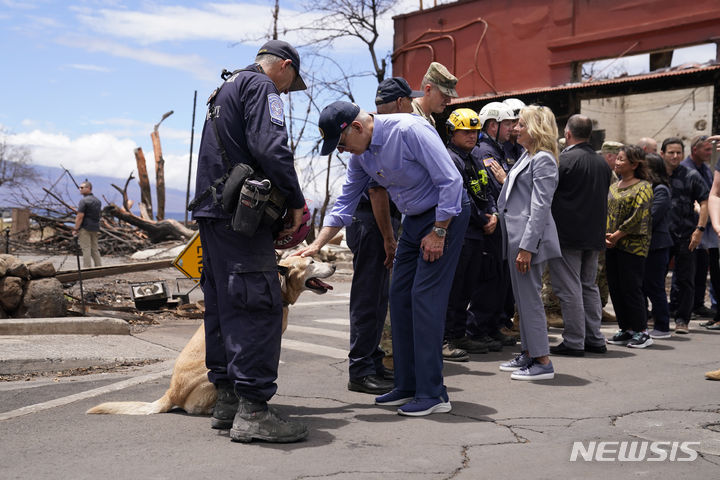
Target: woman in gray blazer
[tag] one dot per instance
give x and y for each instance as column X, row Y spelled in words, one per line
column 530, row 237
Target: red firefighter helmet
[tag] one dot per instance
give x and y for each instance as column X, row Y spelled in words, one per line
column 289, row 241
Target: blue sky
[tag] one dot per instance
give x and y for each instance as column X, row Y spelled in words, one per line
column 85, row 81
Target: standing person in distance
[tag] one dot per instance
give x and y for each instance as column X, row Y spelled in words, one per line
column 87, row 225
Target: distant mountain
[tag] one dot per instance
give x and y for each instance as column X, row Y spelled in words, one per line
column 102, row 188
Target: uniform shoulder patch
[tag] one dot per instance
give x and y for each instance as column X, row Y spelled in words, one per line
column 275, row 105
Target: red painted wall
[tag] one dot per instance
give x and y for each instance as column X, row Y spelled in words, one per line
column 508, row 45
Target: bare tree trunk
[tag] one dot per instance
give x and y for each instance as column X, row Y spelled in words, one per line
column 156, row 231
column 146, row 210
column 276, row 15
column 159, row 174
column 127, row 203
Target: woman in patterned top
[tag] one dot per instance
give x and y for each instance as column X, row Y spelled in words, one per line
column 628, row 241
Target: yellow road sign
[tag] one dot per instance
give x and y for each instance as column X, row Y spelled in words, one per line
column 189, row 262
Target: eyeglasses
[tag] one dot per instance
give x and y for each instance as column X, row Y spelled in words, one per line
column 341, row 143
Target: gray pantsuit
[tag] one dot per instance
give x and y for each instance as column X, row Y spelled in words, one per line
column 524, row 207
column 573, row 281
column 533, row 324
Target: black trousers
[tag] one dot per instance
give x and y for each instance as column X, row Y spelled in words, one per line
column 625, row 273
column 243, row 309
column 705, row 260
column 368, row 294
column 683, row 281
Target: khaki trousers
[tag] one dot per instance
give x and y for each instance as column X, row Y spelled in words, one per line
column 89, row 244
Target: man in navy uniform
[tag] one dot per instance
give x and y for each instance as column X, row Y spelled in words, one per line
column 485, row 319
column 243, row 302
column 463, row 126
column 372, row 238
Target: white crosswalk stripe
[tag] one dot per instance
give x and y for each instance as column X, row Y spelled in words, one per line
column 333, row 321
column 318, row 331
column 306, row 347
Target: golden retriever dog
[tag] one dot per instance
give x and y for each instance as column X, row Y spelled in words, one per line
column 190, row 389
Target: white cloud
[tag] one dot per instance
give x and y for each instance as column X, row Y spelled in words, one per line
column 227, row 22
column 237, row 22
column 194, row 64
column 102, row 154
column 91, row 68
column 98, row 153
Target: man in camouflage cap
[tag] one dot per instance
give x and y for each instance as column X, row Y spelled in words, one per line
column 610, row 150
column 438, row 85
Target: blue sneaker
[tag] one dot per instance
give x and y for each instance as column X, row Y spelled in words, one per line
column 394, row 398
column 420, row 407
column 535, row 371
column 621, row 337
column 521, row 360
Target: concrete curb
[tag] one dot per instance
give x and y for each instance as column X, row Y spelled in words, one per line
column 23, row 354
column 64, row 326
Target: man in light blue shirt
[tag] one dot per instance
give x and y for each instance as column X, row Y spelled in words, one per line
column 404, row 154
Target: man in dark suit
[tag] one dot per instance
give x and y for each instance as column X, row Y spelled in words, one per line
column 580, row 199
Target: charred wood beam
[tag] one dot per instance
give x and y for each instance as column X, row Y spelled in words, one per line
column 156, row 231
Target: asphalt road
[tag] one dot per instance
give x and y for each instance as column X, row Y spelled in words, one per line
column 498, row 428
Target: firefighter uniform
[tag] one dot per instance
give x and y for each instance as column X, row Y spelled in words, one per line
column 489, row 303
column 472, row 264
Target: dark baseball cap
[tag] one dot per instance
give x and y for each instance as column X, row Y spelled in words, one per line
column 393, row 88
column 285, row 51
column 333, row 120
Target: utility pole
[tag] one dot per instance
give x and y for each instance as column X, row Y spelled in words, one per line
column 192, row 137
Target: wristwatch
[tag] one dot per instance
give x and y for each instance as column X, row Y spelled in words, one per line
column 440, row 231
column 700, row 227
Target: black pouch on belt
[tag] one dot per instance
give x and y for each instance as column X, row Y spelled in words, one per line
column 250, row 210
column 233, row 184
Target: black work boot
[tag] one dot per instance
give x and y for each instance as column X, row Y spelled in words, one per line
column 258, row 421
column 225, row 406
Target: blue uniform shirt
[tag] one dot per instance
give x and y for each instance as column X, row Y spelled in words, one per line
column 408, row 158
column 487, row 150
column 686, row 187
column 251, row 126
column 470, row 160
column 709, row 238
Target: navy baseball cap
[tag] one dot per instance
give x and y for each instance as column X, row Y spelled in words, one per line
column 333, row 120
column 287, row 52
column 393, row 88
